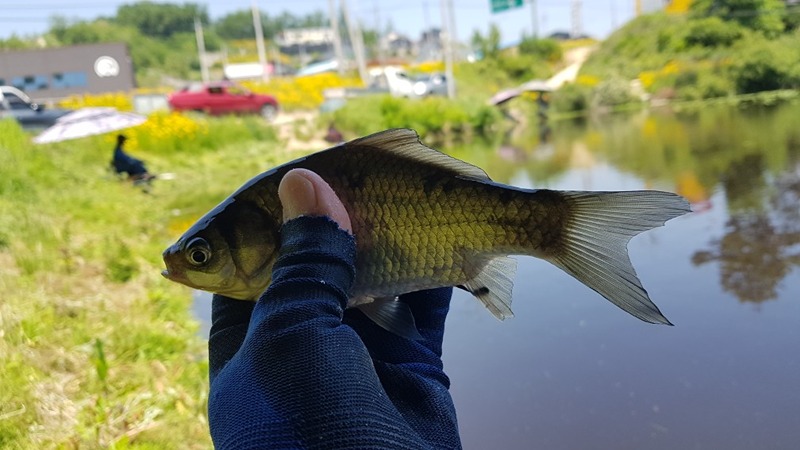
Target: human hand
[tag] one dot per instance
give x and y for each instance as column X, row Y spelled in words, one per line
column 296, row 370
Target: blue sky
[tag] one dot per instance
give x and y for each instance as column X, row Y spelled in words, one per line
column 26, row 17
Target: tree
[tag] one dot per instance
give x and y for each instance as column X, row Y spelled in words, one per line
column 15, row 43
column 547, row 49
column 82, row 32
column 762, row 15
column 161, row 19
column 713, row 32
column 239, row 24
column 488, row 46
column 236, row 25
column 792, row 18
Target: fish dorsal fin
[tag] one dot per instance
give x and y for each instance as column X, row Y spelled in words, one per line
column 405, row 142
column 493, row 285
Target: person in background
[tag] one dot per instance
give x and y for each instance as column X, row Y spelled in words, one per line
column 124, row 163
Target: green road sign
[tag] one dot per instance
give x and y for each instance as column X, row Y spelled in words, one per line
column 502, row 5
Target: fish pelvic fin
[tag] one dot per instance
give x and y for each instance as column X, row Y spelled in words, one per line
column 493, row 285
column 393, row 316
column 593, row 246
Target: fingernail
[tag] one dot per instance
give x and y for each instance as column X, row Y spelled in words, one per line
column 297, row 195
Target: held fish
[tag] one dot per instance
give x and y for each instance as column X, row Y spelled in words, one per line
column 424, row 220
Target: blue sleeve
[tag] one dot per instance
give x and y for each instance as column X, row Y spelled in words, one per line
column 287, row 373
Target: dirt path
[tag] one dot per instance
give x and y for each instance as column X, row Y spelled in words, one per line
column 301, row 130
column 575, row 59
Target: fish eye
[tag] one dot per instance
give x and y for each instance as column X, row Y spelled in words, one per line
column 198, row 251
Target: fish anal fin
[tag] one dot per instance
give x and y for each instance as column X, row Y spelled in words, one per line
column 393, row 316
column 493, row 285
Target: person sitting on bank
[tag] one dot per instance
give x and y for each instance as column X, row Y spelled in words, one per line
column 124, row 163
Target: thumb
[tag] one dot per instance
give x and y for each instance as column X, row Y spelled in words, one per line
column 304, row 193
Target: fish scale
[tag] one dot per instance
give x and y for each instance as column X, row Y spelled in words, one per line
column 425, row 220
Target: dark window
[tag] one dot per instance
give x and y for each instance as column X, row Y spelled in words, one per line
column 15, row 102
column 30, row 83
column 69, row 79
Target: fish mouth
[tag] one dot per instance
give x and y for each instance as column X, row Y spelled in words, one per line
column 174, row 276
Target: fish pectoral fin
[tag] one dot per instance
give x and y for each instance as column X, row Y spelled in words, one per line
column 493, row 285
column 594, row 244
column 393, row 316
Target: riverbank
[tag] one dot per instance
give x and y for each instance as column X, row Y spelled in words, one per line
column 98, row 349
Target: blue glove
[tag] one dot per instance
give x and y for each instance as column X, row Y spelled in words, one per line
column 295, row 370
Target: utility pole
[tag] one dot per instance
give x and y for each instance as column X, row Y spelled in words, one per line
column 201, row 49
column 447, row 48
column 262, row 54
column 577, row 25
column 451, row 11
column 378, row 31
column 534, row 20
column 357, row 40
column 337, row 38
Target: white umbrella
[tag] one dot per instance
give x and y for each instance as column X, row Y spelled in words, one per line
column 87, row 122
column 536, row 86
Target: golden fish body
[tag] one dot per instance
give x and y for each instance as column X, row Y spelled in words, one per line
column 424, row 220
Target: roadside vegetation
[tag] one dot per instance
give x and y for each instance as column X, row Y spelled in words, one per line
column 98, row 350
column 717, row 49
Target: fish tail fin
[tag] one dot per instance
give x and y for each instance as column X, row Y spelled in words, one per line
column 593, row 246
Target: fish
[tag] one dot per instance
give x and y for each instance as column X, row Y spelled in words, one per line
column 424, row 220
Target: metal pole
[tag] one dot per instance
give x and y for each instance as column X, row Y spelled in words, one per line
column 262, row 54
column 447, row 49
column 378, row 32
column 337, row 39
column 357, row 42
column 534, row 20
column 577, row 22
column 201, row 49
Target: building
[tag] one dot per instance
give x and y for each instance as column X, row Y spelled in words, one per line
column 53, row 73
column 305, row 40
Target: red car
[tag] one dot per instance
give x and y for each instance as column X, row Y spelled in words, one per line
column 223, row 98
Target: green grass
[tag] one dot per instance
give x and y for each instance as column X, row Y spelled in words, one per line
column 97, row 350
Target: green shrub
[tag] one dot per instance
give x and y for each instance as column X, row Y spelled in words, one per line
column 766, row 66
column 523, row 67
column 702, row 84
column 765, row 16
column 713, row 32
column 613, row 92
column 571, row 98
column 428, row 116
column 546, row 49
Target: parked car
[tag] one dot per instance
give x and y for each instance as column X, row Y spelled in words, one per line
column 223, row 98
column 30, row 115
column 433, row 84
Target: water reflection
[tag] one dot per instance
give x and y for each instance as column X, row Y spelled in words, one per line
column 572, row 371
column 750, row 156
column 760, row 245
